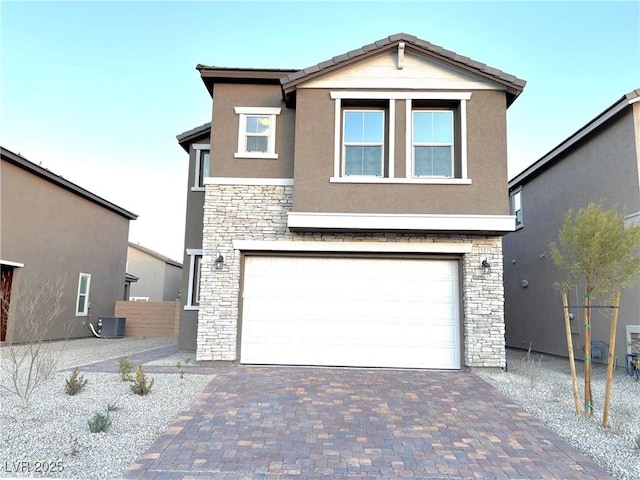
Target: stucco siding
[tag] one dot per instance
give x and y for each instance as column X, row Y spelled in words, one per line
column 603, row 167
column 486, row 164
column 57, row 234
column 226, row 123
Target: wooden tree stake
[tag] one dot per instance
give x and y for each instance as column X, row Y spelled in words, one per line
column 611, row 360
column 572, row 362
column 588, row 406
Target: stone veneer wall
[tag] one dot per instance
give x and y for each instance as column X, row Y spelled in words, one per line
column 249, row 212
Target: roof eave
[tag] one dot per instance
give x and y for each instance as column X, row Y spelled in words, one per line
column 263, row 76
column 45, row 174
column 550, row 158
column 185, row 139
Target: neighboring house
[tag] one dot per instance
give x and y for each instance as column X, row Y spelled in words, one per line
column 158, row 277
column 598, row 163
column 54, row 229
column 366, row 229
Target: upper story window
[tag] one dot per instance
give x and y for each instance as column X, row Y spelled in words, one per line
column 257, row 132
column 363, row 142
column 82, row 302
column 201, row 165
column 516, row 207
column 434, row 131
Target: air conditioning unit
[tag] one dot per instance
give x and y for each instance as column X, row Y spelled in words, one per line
column 111, row 327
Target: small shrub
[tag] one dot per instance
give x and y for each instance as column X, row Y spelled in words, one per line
column 141, row 385
column 99, row 423
column 112, row 407
column 621, row 420
column 180, row 366
column 531, row 368
column 75, row 383
column 125, row 368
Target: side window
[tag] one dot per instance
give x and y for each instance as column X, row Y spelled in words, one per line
column 201, row 165
column 516, row 207
column 433, row 145
column 82, row 302
column 257, row 132
column 195, row 269
column 363, row 142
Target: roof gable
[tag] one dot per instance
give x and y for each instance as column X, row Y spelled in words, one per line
column 403, row 44
column 407, row 70
column 37, row 170
column 155, row 254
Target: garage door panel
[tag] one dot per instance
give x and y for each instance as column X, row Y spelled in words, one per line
column 352, row 312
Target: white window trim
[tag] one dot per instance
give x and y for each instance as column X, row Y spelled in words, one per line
column 414, row 144
column 418, row 180
column 243, row 112
column 344, row 145
column 512, row 207
column 11, row 264
column 198, row 149
column 85, row 312
column 338, row 96
column 192, row 253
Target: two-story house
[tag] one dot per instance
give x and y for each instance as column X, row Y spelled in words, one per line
column 159, row 278
column 59, row 242
column 599, row 163
column 352, row 212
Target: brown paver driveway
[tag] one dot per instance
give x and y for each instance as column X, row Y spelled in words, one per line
column 296, row 422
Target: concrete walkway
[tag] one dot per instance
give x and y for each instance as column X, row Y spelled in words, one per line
column 318, row 423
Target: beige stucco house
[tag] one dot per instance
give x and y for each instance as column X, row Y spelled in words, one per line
column 351, row 213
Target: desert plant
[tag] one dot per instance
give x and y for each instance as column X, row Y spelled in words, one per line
column 530, row 367
column 180, row 366
column 125, row 369
column 75, row 383
column 141, row 385
column 112, row 407
column 35, row 312
column 99, row 422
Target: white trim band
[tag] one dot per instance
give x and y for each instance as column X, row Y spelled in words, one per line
column 423, row 181
column 381, row 247
column 350, row 94
column 383, row 221
column 248, row 181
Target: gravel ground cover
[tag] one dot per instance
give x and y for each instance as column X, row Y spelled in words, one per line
column 542, row 385
column 52, row 437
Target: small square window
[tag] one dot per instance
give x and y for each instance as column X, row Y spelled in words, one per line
column 257, row 132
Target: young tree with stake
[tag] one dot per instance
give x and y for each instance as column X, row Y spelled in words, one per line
column 595, row 248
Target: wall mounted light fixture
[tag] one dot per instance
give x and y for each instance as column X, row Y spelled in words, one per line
column 219, row 262
column 486, row 267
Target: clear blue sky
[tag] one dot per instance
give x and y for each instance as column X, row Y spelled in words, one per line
column 97, row 91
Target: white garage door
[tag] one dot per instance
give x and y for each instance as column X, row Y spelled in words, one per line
column 350, row 312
